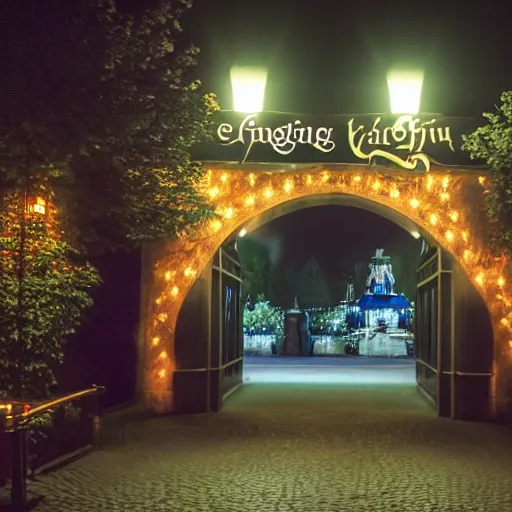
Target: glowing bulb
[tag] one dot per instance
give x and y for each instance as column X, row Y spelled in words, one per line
column 444, row 196
column 252, row 179
column 325, row 177
column 248, row 85
column 394, row 194
column 288, row 186
column 162, row 317
column 501, row 281
column 504, row 321
column 155, row 341
column 249, row 201
column 414, row 203
column 405, row 91
column 214, row 192
column 158, row 301
column 480, row 279
column 229, row 213
column 481, row 180
column 224, row 178
column 454, row 216
column 216, row 225
column 357, row 179
column 168, row 275
column 268, row 193
column 466, row 254
column 242, row 233
column 309, row 179
column 163, row 354
column 433, row 219
column 175, row 290
column 465, row 236
column 449, row 236
column 376, row 185
column 189, row 272
column 445, row 183
column 162, row 373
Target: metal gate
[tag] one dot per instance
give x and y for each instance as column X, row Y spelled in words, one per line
column 453, row 340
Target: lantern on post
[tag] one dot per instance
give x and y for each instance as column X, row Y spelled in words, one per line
column 36, row 204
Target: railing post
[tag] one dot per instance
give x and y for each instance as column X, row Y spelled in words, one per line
column 19, row 440
column 96, row 421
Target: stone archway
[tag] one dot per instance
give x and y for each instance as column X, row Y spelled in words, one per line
column 445, row 206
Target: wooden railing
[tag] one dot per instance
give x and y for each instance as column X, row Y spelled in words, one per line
column 17, row 427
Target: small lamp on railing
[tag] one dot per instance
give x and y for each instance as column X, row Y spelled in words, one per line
column 248, row 85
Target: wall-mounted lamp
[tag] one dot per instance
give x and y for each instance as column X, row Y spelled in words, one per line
column 248, row 86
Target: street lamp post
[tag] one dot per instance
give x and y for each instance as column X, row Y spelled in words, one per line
column 405, row 98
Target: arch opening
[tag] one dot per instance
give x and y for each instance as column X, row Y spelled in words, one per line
column 436, row 204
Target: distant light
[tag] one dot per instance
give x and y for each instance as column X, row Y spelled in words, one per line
column 248, row 86
column 415, row 234
column 242, row 233
column 405, row 91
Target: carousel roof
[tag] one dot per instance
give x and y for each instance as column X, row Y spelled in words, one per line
column 370, row 301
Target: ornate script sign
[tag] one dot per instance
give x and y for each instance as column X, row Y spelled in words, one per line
column 411, row 142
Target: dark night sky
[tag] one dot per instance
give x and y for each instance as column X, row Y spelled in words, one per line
column 332, row 57
column 327, row 56
column 337, row 236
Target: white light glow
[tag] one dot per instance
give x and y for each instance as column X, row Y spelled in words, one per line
column 316, row 374
column 405, row 91
column 248, row 86
column 415, row 234
column 242, row 233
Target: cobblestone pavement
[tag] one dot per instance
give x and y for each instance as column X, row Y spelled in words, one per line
column 290, row 447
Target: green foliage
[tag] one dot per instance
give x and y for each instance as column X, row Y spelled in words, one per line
column 44, row 293
column 330, row 321
column 311, row 286
column 264, row 319
column 100, row 107
column 109, row 119
column 492, row 145
column 256, row 266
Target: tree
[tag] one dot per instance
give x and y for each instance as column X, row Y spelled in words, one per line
column 404, row 270
column 100, row 112
column 256, row 267
column 43, row 295
column 492, row 144
column 109, row 119
column 282, row 291
column 311, row 285
column 264, row 319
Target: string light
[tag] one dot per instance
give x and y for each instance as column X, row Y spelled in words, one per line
column 240, row 197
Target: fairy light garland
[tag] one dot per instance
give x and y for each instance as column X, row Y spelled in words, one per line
column 436, row 201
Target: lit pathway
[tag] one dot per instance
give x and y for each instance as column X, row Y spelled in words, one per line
column 329, row 370
column 346, row 445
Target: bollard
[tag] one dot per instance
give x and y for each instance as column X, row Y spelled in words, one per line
column 19, row 440
column 96, row 422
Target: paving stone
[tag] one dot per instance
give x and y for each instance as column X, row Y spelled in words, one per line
column 294, row 448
